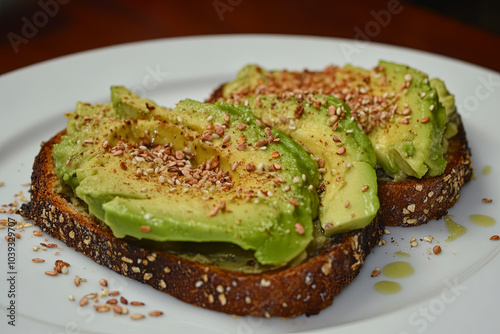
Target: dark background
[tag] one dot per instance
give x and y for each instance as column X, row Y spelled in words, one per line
column 466, row 30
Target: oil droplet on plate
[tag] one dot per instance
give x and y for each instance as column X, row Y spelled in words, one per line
column 486, row 170
column 401, row 254
column 455, row 230
column 482, row 220
column 387, row 287
column 398, row 269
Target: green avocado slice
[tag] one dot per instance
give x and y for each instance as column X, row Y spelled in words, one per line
column 324, row 126
column 199, row 173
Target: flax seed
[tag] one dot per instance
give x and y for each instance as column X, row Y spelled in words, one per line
column 114, row 293
column 51, row 273
column 375, row 272
column 155, row 313
column 145, row 228
column 84, row 301
column 135, row 303
column 250, row 168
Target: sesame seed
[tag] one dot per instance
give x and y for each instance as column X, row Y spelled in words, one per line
column 431, row 107
column 222, row 299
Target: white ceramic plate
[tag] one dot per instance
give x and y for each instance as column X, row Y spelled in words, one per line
column 458, row 290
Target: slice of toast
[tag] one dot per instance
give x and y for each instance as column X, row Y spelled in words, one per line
column 303, row 289
column 416, row 201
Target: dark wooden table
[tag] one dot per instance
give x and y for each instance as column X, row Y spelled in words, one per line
column 33, row 31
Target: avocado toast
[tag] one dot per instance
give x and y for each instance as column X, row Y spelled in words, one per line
column 207, row 203
column 422, row 153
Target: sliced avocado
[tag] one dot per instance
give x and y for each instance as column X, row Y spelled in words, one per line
column 398, row 107
column 324, row 126
column 197, row 173
column 406, row 145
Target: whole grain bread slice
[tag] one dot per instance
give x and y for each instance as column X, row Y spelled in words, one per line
column 415, row 201
column 303, row 289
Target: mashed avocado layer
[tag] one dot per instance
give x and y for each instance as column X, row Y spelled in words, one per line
column 199, row 173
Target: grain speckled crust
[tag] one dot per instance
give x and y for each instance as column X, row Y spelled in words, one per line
column 305, row 289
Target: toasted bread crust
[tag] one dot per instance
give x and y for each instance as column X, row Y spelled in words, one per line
column 417, row 201
column 305, row 289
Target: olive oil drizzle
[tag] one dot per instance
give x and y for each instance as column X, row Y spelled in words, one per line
column 482, row 220
column 455, row 230
column 486, row 170
column 387, row 287
column 398, row 269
